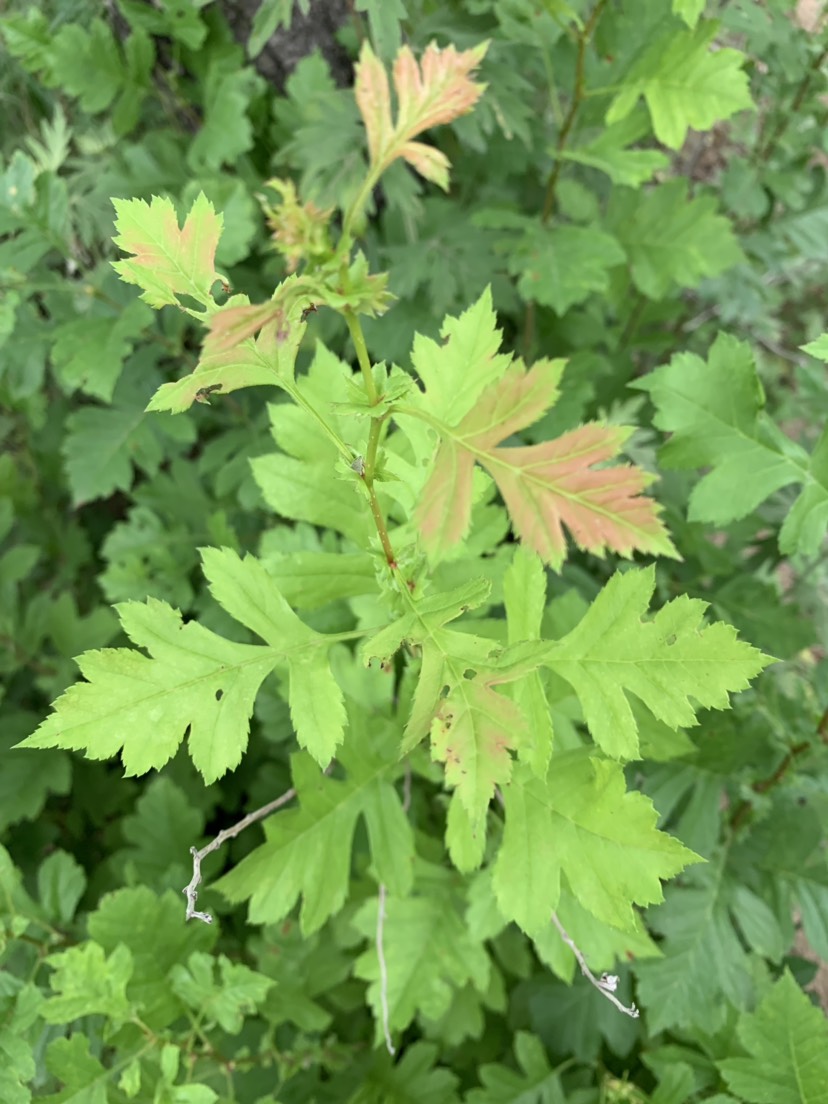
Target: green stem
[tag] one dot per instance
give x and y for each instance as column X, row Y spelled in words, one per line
column 358, row 338
column 358, row 202
column 578, row 92
column 763, row 148
column 367, row 475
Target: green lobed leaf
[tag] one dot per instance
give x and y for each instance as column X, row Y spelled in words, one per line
column 418, row 979
column 84, row 1078
column 536, row 1081
column 562, row 266
column 249, row 593
column 89, row 981
column 685, row 84
column 665, row 661
column 787, row 1040
column 307, row 851
column 580, row 822
column 153, row 930
column 168, row 260
column 705, row 965
column 196, row 682
column 671, row 240
column 142, row 707
column 225, row 1000
column 714, row 412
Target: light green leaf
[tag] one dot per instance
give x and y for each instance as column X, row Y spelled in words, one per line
column 581, row 822
column 524, row 596
column 671, row 240
column 311, row 579
column 169, row 261
column 142, row 707
column 446, row 653
column 689, row 10
column 665, row 661
column 249, row 593
column 89, row 982
column 266, row 360
column 787, row 1039
column 473, row 731
column 197, row 681
column 457, row 371
column 307, row 851
column 628, row 167
column 465, row 838
column 225, row 1001
column 685, row 84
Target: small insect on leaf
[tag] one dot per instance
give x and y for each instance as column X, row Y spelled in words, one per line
column 203, row 395
column 358, row 465
column 308, row 311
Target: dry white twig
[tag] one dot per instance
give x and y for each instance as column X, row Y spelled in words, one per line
column 191, row 891
column 606, row 984
column 383, row 973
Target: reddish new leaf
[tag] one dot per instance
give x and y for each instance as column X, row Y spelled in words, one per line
column 428, row 95
column 546, row 486
column 168, row 261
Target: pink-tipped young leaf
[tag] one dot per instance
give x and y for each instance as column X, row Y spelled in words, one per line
column 546, row 486
column 435, row 92
column 168, row 261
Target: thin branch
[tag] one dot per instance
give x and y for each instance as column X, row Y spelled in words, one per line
column 191, row 891
column 386, row 1030
column 606, row 984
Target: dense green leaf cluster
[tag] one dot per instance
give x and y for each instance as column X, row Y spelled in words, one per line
column 332, row 417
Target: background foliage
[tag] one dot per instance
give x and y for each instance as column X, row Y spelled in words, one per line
column 643, row 188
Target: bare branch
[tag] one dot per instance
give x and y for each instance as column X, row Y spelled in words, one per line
column 606, row 984
column 383, row 972
column 191, row 891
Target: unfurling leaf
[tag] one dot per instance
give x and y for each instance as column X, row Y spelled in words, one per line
column 168, row 261
column 435, row 92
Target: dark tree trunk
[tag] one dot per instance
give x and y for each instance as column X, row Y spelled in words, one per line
column 286, row 48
